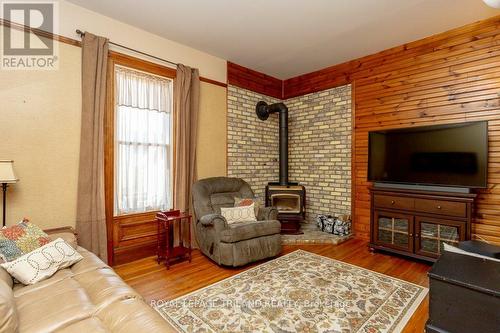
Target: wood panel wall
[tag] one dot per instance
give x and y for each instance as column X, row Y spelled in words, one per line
column 452, row 77
column 247, row 78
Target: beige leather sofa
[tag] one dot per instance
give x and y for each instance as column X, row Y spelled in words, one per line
column 87, row 297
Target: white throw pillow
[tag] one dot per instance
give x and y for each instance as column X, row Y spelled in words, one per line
column 43, row 262
column 239, row 214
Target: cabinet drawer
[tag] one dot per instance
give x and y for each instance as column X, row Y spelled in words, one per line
column 450, row 208
column 387, row 201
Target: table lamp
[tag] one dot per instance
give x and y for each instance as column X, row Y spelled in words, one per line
column 7, row 177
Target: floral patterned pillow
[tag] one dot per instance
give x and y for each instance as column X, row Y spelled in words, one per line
column 20, row 239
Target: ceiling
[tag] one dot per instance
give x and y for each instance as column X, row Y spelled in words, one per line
column 285, row 38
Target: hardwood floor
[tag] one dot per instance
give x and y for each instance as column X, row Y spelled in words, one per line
column 154, row 282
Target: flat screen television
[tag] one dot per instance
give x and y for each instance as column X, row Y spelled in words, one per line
column 444, row 155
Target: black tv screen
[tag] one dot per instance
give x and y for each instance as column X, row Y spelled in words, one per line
column 449, row 155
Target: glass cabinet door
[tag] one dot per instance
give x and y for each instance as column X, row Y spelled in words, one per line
column 394, row 230
column 432, row 234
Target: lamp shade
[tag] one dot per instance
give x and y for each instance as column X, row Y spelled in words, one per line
column 493, row 3
column 7, row 172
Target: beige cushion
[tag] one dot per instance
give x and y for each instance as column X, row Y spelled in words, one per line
column 90, row 262
column 21, row 289
column 239, row 214
column 53, row 307
column 247, row 230
column 9, row 321
column 5, row 276
column 104, row 287
column 92, row 324
column 133, row 315
column 43, row 262
column 68, row 237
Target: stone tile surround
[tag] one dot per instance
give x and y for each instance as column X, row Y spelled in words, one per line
column 319, row 146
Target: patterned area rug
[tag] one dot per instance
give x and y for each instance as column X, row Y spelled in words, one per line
column 299, row 292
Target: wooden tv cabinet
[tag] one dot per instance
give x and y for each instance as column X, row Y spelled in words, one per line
column 417, row 223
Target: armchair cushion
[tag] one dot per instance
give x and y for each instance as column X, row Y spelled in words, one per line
column 211, row 220
column 222, row 200
column 247, row 230
column 267, row 213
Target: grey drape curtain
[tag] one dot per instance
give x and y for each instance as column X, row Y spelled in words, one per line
column 91, row 216
column 186, row 108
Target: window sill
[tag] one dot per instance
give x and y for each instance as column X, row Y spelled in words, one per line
column 137, row 215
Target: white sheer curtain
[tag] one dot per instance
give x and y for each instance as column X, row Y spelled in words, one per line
column 143, row 168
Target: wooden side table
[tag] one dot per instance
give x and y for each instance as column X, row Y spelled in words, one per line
column 166, row 222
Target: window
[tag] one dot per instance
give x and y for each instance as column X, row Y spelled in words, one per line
column 143, row 146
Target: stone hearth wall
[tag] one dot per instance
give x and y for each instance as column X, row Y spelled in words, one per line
column 320, row 149
column 252, row 144
column 319, row 146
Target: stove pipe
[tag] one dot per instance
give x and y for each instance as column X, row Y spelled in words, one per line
column 263, row 111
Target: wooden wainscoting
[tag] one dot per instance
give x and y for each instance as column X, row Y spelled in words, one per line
column 134, row 237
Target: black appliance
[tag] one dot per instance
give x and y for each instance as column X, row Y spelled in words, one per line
column 288, row 197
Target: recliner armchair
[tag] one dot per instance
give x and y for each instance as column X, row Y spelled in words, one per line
column 234, row 244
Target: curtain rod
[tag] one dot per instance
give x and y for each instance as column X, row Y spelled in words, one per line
column 81, row 33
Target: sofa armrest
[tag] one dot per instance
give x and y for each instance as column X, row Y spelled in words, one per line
column 59, row 230
column 68, row 234
column 214, row 220
column 267, row 213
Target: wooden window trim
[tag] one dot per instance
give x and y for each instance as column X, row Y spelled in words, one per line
column 135, row 63
column 112, row 221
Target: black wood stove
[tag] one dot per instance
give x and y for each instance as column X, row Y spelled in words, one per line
column 289, row 198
